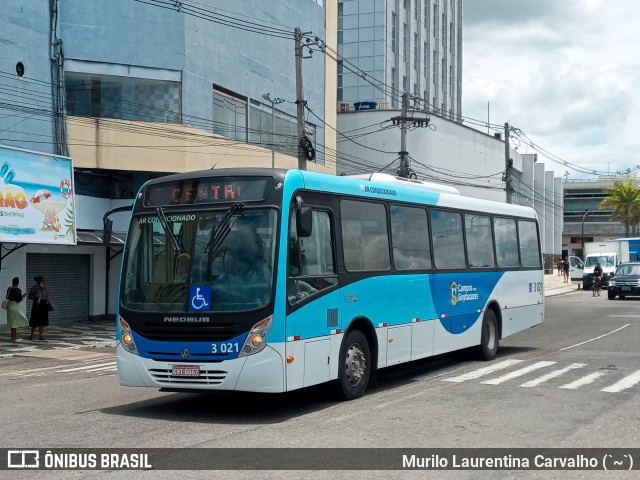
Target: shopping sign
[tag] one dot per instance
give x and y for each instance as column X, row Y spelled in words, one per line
column 36, row 198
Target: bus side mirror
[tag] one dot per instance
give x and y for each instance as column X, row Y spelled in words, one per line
column 303, row 222
column 303, row 219
column 106, row 232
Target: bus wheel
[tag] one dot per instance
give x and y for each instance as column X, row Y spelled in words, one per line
column 611, row 294
column 489, row 338
column 355, row 366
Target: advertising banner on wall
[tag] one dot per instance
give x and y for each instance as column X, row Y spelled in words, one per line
column 36, row 198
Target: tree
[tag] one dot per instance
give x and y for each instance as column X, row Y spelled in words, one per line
column 624, row 199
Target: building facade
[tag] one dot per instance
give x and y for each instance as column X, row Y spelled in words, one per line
column 392, row 46
column 131, row 91
column 583, row 216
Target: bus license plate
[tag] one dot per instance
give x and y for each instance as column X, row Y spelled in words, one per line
column 626, row 289
column 185, row 371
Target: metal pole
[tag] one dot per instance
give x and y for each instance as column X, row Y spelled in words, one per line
column 586, row 212
column 274, row 102
column 273, row 145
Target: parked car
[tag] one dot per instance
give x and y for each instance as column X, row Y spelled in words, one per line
column 625, row 281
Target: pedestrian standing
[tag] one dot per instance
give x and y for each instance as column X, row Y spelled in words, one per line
column 565, row 269
column 40, row 308
column 15, row 317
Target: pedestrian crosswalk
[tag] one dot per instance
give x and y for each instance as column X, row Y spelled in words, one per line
column 99, row 368
column 512, row 369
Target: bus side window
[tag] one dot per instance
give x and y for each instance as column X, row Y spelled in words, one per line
column 311, row 266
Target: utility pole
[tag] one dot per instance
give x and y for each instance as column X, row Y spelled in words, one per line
column 404, row 170
column 508, row 178
column 302, row 157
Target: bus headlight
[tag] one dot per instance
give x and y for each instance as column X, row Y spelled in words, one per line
column 255, row 341
column 127, row 337
column 612, row 283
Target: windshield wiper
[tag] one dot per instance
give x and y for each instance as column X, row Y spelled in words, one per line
column 219, row 233
column 177, row 246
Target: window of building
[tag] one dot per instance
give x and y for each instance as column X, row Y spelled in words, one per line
column 426, row 14
column 479, row 241
column 394, row 33
column 425, row 59
column 444, row 32
column 405, row 87
column 416, row 63
column 340, row 79
column 451, row 38
column 435, row 69
column 364, row 236
column 285, row 129
column 406, row 41
column 229, row 115
column 451, row 89
column 447, row 237
column 506, row 242
column 410, row 238
column 394, row 88
column 126, row 98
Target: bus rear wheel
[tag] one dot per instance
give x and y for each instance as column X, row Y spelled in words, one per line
column 354, row 366
column 490, row 336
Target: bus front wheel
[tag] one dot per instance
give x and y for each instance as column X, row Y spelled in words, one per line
column 355, row 365
column 490, row 336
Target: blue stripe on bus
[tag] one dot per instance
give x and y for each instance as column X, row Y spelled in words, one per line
column 400, row 299
column 197, row 351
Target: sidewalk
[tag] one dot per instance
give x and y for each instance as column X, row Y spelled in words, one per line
column 554, row 285
column 59, row 338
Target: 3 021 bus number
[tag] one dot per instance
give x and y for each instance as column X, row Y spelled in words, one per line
column 225, row 348
column 535, row 287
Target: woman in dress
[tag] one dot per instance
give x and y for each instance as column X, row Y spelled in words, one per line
column 15, row 317
column 40, row 308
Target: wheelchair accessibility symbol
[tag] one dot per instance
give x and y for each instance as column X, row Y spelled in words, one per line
column 200, row 298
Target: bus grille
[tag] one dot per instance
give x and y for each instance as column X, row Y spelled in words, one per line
column 207, row 377
column 187, row 332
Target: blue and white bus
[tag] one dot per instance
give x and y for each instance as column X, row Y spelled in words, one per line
column 269, row 280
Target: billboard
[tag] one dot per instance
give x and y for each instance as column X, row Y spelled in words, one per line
column 36, row 198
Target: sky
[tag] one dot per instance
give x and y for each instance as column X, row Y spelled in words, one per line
column 566, row 73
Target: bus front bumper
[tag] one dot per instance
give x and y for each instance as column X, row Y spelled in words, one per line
column 261, row 372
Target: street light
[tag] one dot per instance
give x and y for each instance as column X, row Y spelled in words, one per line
column 586, row 212
column 274, row 102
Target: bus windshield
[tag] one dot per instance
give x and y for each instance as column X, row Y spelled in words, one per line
column 225, row 256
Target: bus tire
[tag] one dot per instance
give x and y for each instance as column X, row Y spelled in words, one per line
column 489, row 336
column 611, row 295
column 355, row 366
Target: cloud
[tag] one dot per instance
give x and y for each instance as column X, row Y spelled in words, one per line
column 564, row 72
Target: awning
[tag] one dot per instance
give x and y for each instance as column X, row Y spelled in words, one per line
column 94, row 237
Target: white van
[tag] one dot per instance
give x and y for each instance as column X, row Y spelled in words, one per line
column 576, row 269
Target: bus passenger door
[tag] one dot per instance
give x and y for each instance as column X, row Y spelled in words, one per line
column 312, row 324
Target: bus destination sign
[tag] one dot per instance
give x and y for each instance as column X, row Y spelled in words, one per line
column 198, row 191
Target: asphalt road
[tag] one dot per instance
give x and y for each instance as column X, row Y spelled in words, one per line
column 571, row 382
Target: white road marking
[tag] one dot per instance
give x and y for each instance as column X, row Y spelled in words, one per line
column 596, row 338
column 627, row 382
column 586, row 380
column 551, row 375
column 88, row 367
column 480, row 372
column 518, row 373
